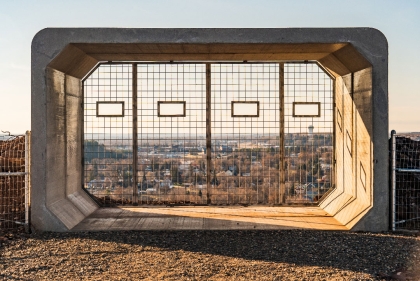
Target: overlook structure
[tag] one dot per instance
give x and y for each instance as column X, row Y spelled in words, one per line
column 90, row 85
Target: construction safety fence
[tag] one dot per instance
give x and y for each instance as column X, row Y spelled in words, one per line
column 15, row 181
column 405, row 181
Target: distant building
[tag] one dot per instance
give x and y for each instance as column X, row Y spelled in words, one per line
column 311, row 129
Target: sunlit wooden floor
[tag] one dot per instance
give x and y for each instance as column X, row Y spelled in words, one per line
column 208, row 218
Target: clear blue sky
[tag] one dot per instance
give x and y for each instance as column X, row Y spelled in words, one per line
column 20, row 20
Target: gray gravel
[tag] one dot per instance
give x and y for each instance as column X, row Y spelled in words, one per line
column 210, row 255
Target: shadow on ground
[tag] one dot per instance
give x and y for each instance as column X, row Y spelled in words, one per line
column 367, row 252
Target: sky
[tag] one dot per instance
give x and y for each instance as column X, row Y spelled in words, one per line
column 20, row 20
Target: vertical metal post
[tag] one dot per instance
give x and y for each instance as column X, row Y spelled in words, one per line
column 282, row 197
column 208, row 130
column 27, row 180
column 393, row 178
column 135, row 143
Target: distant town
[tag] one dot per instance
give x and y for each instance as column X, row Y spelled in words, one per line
column 244, row 170
column 412, row 135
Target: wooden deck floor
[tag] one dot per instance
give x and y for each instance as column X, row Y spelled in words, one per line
column 208, row 218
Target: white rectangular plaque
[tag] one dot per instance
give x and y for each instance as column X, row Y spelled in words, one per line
column 245, row 109
column 171, row 108
column 306, row 109
column 110, row 109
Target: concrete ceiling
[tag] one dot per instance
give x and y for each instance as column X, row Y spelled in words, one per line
column 78, row 59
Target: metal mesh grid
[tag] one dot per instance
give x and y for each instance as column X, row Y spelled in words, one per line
column 172, row 159
column 172, row 150
column 407, row 179
column 12, row 182
column 108, row 140
column 308, row 140
column 245, row 150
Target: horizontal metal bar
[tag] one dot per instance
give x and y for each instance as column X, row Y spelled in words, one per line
column 207, row 61
column 408, row 170
column 13, row 174
column 16, row 222
column 403, row 221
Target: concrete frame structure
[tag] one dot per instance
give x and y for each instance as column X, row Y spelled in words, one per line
column 356, row 57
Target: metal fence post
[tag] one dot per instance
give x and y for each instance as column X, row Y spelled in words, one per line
column 27, row 180
column 282, row 166
column 135, row 141
column 208, row 131
column 393, row 178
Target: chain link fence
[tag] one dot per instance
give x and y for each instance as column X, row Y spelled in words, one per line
column 14, row 181
column 405, row 181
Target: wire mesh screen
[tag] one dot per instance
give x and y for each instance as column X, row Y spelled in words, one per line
column 308, row 102
column 207, row 133
column 108, row 138
column 12, row 182
column 172, row 133
column 245, row 142
column 407, row 178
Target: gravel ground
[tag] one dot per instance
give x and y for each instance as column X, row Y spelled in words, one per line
column 210, row 255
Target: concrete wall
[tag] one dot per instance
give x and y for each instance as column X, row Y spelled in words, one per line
column 352, row 198
column 60, row 203
column 356, row 57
